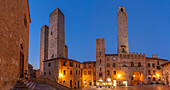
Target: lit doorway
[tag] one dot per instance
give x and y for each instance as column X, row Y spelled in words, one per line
column 137, row 78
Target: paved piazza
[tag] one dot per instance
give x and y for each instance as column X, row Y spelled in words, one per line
column 145, row 87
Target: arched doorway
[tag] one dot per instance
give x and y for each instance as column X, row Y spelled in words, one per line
column 137, row 78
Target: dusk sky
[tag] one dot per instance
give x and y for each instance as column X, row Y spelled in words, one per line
column 86, row 20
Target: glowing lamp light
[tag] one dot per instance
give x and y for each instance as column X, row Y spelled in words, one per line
column 118, row 75
column 60, row 75
column 100, row 80
column 108, row 79
column 133, row 75
column 157, row 75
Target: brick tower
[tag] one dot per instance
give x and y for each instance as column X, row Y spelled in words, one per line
column 43, row 45
column 56, row 40
column 122, row 31
column 100, row 60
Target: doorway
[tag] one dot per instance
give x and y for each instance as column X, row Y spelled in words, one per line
column 137, row 78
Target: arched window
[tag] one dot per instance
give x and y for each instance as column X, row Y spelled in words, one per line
column 153, row 65
column 70, row 72
column 148, row 64
column 108, row 65
column 108, row 72
column 76, row 72
column 132, row 64
column 149, row 72
column 114, row 64
column 100, row 75
column 157, row 62
column 100, row 69
column 139, row 64
column 49, row 64
column 100, row 61
column 121, row 9
column 114, row 72
column 64, row 72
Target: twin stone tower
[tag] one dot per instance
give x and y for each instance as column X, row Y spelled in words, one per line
column 52, row 43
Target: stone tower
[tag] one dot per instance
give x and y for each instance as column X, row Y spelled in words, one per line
column 43, row 45
column 100, row 59
column 122, row 31
column 56, row 40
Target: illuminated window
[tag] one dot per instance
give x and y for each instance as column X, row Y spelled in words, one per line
column 85, row 72
column 89, row 72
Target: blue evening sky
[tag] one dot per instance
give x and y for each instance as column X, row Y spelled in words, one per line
column 86, row 20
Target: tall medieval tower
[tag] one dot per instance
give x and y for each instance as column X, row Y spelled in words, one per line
column 100, row 60
column 56, row 40
column 43, row 45
column 122, row 31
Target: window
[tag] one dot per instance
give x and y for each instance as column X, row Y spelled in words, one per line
column 94, row 65
column 108, row 72
column 157, row 62
column 99, row 54
column 79, row 72
column 21, row 46
column 153, row 72
column 70, row 83
column 25, row 20
column 108, row 59
column 89, row 72
column 70, row 72
column 76, row 72
column 84, row 66
column 148, row 64
column 149, row 72
column 132, row 64
column 114, row 72
column 85, row 72
column 64, row 81
column 76, row 65
column 49, row 73
column 64, row 63
column 124, row 64
column 79, row 65
column 121, row 9
column 64, row 72
column 100, row 61
column 100, row 69
column 139, row 64
column 158, row 67
column 71, row 64
column 114, row 58
column 108, row 65
column 49, row 64
column 114, row 64
column 51, row 33
column 100, row 75
column 159, row 79
column 153, row 65
column 44, row 73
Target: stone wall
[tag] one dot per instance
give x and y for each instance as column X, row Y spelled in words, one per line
column 14, row 37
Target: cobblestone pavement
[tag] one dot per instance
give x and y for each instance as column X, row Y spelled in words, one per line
column 43, row 87
column 144, row 87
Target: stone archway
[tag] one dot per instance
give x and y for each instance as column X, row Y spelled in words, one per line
column 137, row 78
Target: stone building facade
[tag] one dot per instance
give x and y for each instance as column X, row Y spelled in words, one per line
column 89, row 73
column 14, row 37
column 166, row 73
column 125, row 68
column 64, row 71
